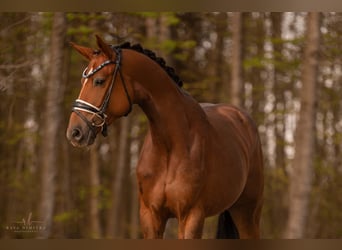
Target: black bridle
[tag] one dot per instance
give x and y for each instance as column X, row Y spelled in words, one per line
column 81, row 105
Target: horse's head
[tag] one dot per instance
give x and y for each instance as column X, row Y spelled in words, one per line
column 104, row 95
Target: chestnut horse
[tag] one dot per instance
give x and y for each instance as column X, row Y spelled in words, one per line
column 198, row 160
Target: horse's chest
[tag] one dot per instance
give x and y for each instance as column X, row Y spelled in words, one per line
column 171, row 189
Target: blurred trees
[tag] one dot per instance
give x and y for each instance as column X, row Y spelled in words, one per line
column 236, row 60
column 258, row 58
column 300, row 180
column 52, row 120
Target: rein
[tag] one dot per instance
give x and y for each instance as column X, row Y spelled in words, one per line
column 81, row 105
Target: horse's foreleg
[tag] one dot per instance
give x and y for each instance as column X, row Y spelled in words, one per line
column 191, row 226
column 152, row 224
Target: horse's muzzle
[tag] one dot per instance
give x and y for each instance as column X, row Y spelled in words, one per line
column 80, row 137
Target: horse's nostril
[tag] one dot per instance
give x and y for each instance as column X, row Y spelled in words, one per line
column 76, row 134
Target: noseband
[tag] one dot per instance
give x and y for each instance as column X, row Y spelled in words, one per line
column 81, row 105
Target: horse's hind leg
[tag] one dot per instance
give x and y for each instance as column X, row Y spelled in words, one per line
column 246, row 211
column 246, row 217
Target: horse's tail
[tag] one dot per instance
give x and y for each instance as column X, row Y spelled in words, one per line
column 226, row 228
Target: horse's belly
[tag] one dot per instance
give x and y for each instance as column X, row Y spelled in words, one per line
column 228, row 156
column 222, row 190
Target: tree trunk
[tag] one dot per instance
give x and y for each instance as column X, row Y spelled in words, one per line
column 95, row 230
column 236, row 63
column 164, row 35
column 151, row 28
column 279, row 90
column 54, row 96
column 257, row 72
column 217, row 68
column 114, row 227
column 302, row 172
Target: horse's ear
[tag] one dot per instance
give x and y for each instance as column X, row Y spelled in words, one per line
column 85, row 51
column 105, row 48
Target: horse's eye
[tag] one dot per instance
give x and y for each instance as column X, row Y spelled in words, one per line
column 98, row 81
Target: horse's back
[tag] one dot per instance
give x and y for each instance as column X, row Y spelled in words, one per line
column 233, row 123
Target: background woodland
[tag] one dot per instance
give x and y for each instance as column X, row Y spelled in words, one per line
column 285, row 69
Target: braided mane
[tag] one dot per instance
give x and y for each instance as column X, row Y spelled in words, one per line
column 169, row 70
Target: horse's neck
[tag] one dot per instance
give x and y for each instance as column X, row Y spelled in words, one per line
column 168, row 119
column 165, row 105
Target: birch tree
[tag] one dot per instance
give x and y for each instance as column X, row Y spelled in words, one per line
column 301, row 176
